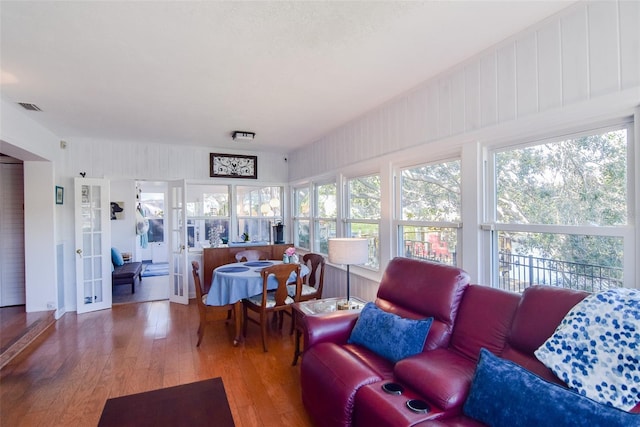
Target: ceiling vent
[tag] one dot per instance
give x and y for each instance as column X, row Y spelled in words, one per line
column 30, row 107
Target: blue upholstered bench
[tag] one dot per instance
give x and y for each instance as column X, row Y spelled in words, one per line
column 127, row 273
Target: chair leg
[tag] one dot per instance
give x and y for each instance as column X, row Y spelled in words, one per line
column 200, row 334
column 263, row 324
column 201, row 326
column 281, row 314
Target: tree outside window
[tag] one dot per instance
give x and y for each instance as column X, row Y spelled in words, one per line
column 325, row 220
column 302, row 218
column 430, row 205
column 258, row 209
column 364, row 213
column 561, row 212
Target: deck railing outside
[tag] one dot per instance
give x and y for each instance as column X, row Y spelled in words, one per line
column 422, row 250
column 517, row 272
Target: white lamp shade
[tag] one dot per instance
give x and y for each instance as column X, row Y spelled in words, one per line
column 350, row 251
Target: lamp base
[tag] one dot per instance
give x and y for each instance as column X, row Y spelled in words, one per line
column 348, row 305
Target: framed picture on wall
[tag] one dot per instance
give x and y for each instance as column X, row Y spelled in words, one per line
column 59, row 195
column 233, row 166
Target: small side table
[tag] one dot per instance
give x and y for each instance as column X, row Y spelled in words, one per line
column 318, row 307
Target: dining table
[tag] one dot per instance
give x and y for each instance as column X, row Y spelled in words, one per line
column 231, row 283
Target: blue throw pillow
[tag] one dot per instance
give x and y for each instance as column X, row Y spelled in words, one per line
column 116, row 257
column 389, row 335
column 505, row 394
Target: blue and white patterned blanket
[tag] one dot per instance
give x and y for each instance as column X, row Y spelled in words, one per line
column 596, row 348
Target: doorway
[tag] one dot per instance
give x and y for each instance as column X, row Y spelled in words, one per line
column 150, row 245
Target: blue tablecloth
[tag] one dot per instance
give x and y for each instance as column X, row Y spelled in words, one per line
column 233, row 282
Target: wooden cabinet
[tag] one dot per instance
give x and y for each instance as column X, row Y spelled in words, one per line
column 215, row 257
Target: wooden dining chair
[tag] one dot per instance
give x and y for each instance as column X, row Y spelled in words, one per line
column 205, row 310
column 275, row 301
column 313, row 282
column 251, row 255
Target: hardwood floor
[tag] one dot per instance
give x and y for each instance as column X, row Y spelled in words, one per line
column 155, row 288
column 67, row 374
column 19, row 328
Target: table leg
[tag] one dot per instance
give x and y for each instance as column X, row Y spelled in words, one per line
column 238, row 321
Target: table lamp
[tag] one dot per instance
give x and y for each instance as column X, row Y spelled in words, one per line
column 348, row 251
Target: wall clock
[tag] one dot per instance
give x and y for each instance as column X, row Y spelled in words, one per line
column 233, row 166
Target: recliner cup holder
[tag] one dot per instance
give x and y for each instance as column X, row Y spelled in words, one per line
column 418, row 406
column 393, row 388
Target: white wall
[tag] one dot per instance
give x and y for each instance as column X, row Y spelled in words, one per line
column 39, row 237
column 579, row 66
column 591, row 52
column 158, row 162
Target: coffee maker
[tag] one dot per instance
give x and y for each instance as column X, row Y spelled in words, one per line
column 278, row 233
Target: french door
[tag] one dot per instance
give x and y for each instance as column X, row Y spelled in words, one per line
column 178, row 259
column 92, row 242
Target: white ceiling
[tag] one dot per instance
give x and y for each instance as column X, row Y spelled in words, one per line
column 191, row 72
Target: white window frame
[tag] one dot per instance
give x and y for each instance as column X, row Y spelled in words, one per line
column 627, row 232
column 296, row 218
column 316, row 219
column 260, row 216
column 399, row 223
column 348, row 221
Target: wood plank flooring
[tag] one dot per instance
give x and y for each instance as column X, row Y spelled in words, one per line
column 18, row 329
column 67, row 374
column 155, row 288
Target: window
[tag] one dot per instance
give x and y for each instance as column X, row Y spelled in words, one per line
column 430, row 205
column 258, row 209
column 301, row 218
column 325, row 219
column 561, row 212
column 207, row 215
column 363, row 214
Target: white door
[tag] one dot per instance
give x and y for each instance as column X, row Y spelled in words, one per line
column 12, row 289
column 178, row 257
column 93, row 241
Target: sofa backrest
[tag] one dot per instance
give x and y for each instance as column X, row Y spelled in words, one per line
column 540, row 311
column 419, row 289
column 484, row 320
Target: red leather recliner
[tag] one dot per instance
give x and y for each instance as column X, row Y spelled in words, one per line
column 333, row 371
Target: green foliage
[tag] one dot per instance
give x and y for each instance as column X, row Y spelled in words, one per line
column 576, row 182
column 432, row 192
column 364, row 197
column 573, row 182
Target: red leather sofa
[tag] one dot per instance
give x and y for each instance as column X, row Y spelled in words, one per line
column 341, row 382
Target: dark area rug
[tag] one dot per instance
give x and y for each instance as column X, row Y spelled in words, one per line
column 159, row 269
column 196, row 404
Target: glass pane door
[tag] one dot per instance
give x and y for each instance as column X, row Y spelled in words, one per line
column 93, row 236
column 178, row 271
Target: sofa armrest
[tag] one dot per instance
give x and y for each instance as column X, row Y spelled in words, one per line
column 335, row 327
